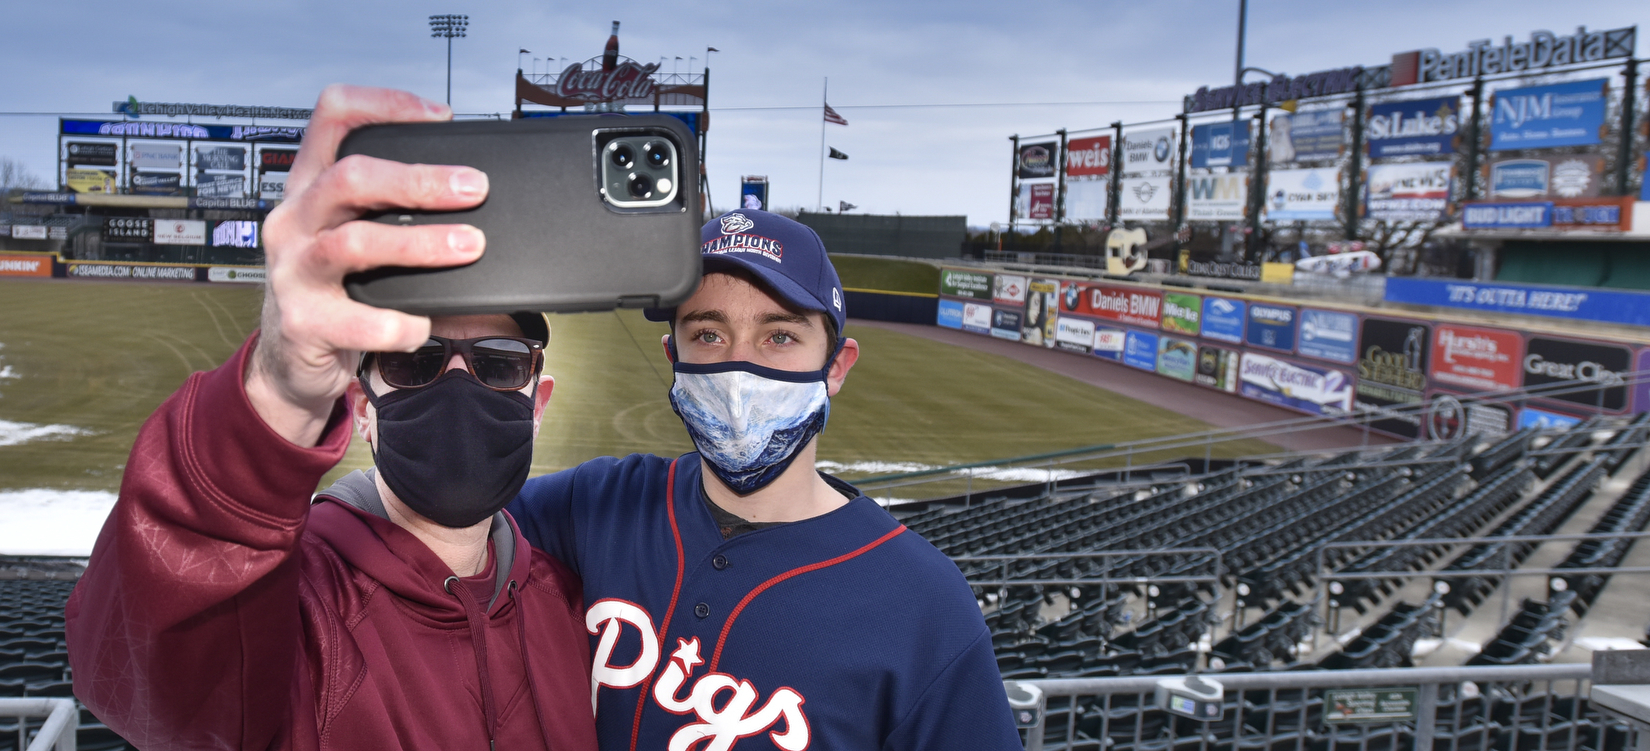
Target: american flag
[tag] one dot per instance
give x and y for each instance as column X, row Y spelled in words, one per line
column 832, row 117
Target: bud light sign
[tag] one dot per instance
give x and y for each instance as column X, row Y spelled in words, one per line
column 1271, row 327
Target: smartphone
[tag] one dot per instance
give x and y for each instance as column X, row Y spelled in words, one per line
column 583, row 212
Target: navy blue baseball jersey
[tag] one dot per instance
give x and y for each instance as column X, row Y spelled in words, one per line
column 844, row 631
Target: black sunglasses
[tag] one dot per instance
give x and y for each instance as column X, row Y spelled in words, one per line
column 501, row 363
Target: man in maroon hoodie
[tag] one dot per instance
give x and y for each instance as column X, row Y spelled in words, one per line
column 221, row 609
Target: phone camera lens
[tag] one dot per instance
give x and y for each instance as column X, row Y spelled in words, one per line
column 658, row 155
column 641, row 186
column 624, row 155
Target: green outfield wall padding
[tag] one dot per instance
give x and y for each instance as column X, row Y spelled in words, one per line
column 887, row 274
column 876, row 235
column 1581, row 264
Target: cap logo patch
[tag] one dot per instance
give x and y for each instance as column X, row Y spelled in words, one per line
column 763, row 246
column 836, row 298
column 736, row 223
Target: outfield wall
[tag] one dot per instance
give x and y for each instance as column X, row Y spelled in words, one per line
column 51, row 265
column 1417, row 376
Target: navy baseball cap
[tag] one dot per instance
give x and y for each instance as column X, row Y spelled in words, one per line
column 785, row 254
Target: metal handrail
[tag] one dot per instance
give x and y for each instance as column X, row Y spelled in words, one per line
column 62, row 720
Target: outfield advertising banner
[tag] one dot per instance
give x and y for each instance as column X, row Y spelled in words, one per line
column 1222, row 144
column 272, row 186
column 965, row 284
column 89, row 180
column 1329, row 335
column 1476, row 358
column 1641, row 392
column 156, row 156
column 1223, row 319
column 1306, row 136
column 180, row 232
column 92, row 153
column 1451, row 416
column 1559, row 363
column 1088, row 157
column 1271, row 327
column 1217, row 197
column 950, row 314
column 1412, row 128
column 1392, row 372
column 22, row 265
column 1005, row 324
column 1038, row 160
column 1009, row 289
column 1412, row 191
column 1217, row 368
column 1145, row 199
column 1136, row 307
column 1545, row 117
column 1608, row 306
column 237, row 274
column 1541, row 419
column 131, row 271
column 1086, row 199
column 1042, row 308
column 1307, row 388
column 1140, row 350
column 976, row 318
column 1075, row 334
column 1176, row 358
column 128, row 229
column 1181, row 313
column 1149, row 152
column 1302, row 195
column 1565, row 176
column 1109, row 342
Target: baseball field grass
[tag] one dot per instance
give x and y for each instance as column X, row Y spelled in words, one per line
column 83, row 364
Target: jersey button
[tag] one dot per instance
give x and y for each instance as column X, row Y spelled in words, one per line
column 719, row 562
column 702, row 610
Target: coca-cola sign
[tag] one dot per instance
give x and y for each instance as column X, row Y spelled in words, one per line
column 627, row 80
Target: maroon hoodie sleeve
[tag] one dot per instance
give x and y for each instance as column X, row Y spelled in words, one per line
column 185, row 630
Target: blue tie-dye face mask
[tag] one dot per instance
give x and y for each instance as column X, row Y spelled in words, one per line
column 749, row 421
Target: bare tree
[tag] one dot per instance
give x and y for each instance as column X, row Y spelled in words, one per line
column 15, row 176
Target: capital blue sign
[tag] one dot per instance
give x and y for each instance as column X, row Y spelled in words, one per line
column 1329, row 335
column 1414, row 127
column 1271, row 327
column 1223, row 144
column 1521, row 215
column 1140, row 350
column 1223, row 319
column 1574, row 303
column 1544, row 117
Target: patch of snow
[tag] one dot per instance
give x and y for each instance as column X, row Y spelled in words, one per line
column 14, row 433
column 40, row 521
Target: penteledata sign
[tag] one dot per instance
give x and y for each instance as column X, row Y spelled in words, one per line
column 1543, row 50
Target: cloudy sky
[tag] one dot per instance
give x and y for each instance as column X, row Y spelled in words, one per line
column 1129, row 61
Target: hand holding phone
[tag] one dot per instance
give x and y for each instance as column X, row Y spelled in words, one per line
column 584, row 213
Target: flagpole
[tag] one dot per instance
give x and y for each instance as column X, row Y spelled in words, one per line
column 824, row 100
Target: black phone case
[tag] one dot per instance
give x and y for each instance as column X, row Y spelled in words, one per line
column 553, row 244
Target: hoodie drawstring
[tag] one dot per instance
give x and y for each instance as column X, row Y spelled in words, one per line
column 478, row 635
column 532, row 688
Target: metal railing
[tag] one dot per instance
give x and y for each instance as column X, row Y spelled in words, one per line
column 58, row 732
column 1442, row 709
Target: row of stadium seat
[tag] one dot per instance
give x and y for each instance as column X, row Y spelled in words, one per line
column 1529, row 636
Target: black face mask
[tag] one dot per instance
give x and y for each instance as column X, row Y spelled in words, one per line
column 454, row 451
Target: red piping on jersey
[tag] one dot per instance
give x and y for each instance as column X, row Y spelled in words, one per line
column 728, row 626
column 676, row 591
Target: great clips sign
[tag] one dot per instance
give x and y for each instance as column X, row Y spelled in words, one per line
column 1131, row 306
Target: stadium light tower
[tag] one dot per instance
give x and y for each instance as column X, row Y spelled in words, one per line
column 448, row 27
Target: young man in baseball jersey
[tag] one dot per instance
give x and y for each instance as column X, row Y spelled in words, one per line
column 735, row 597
